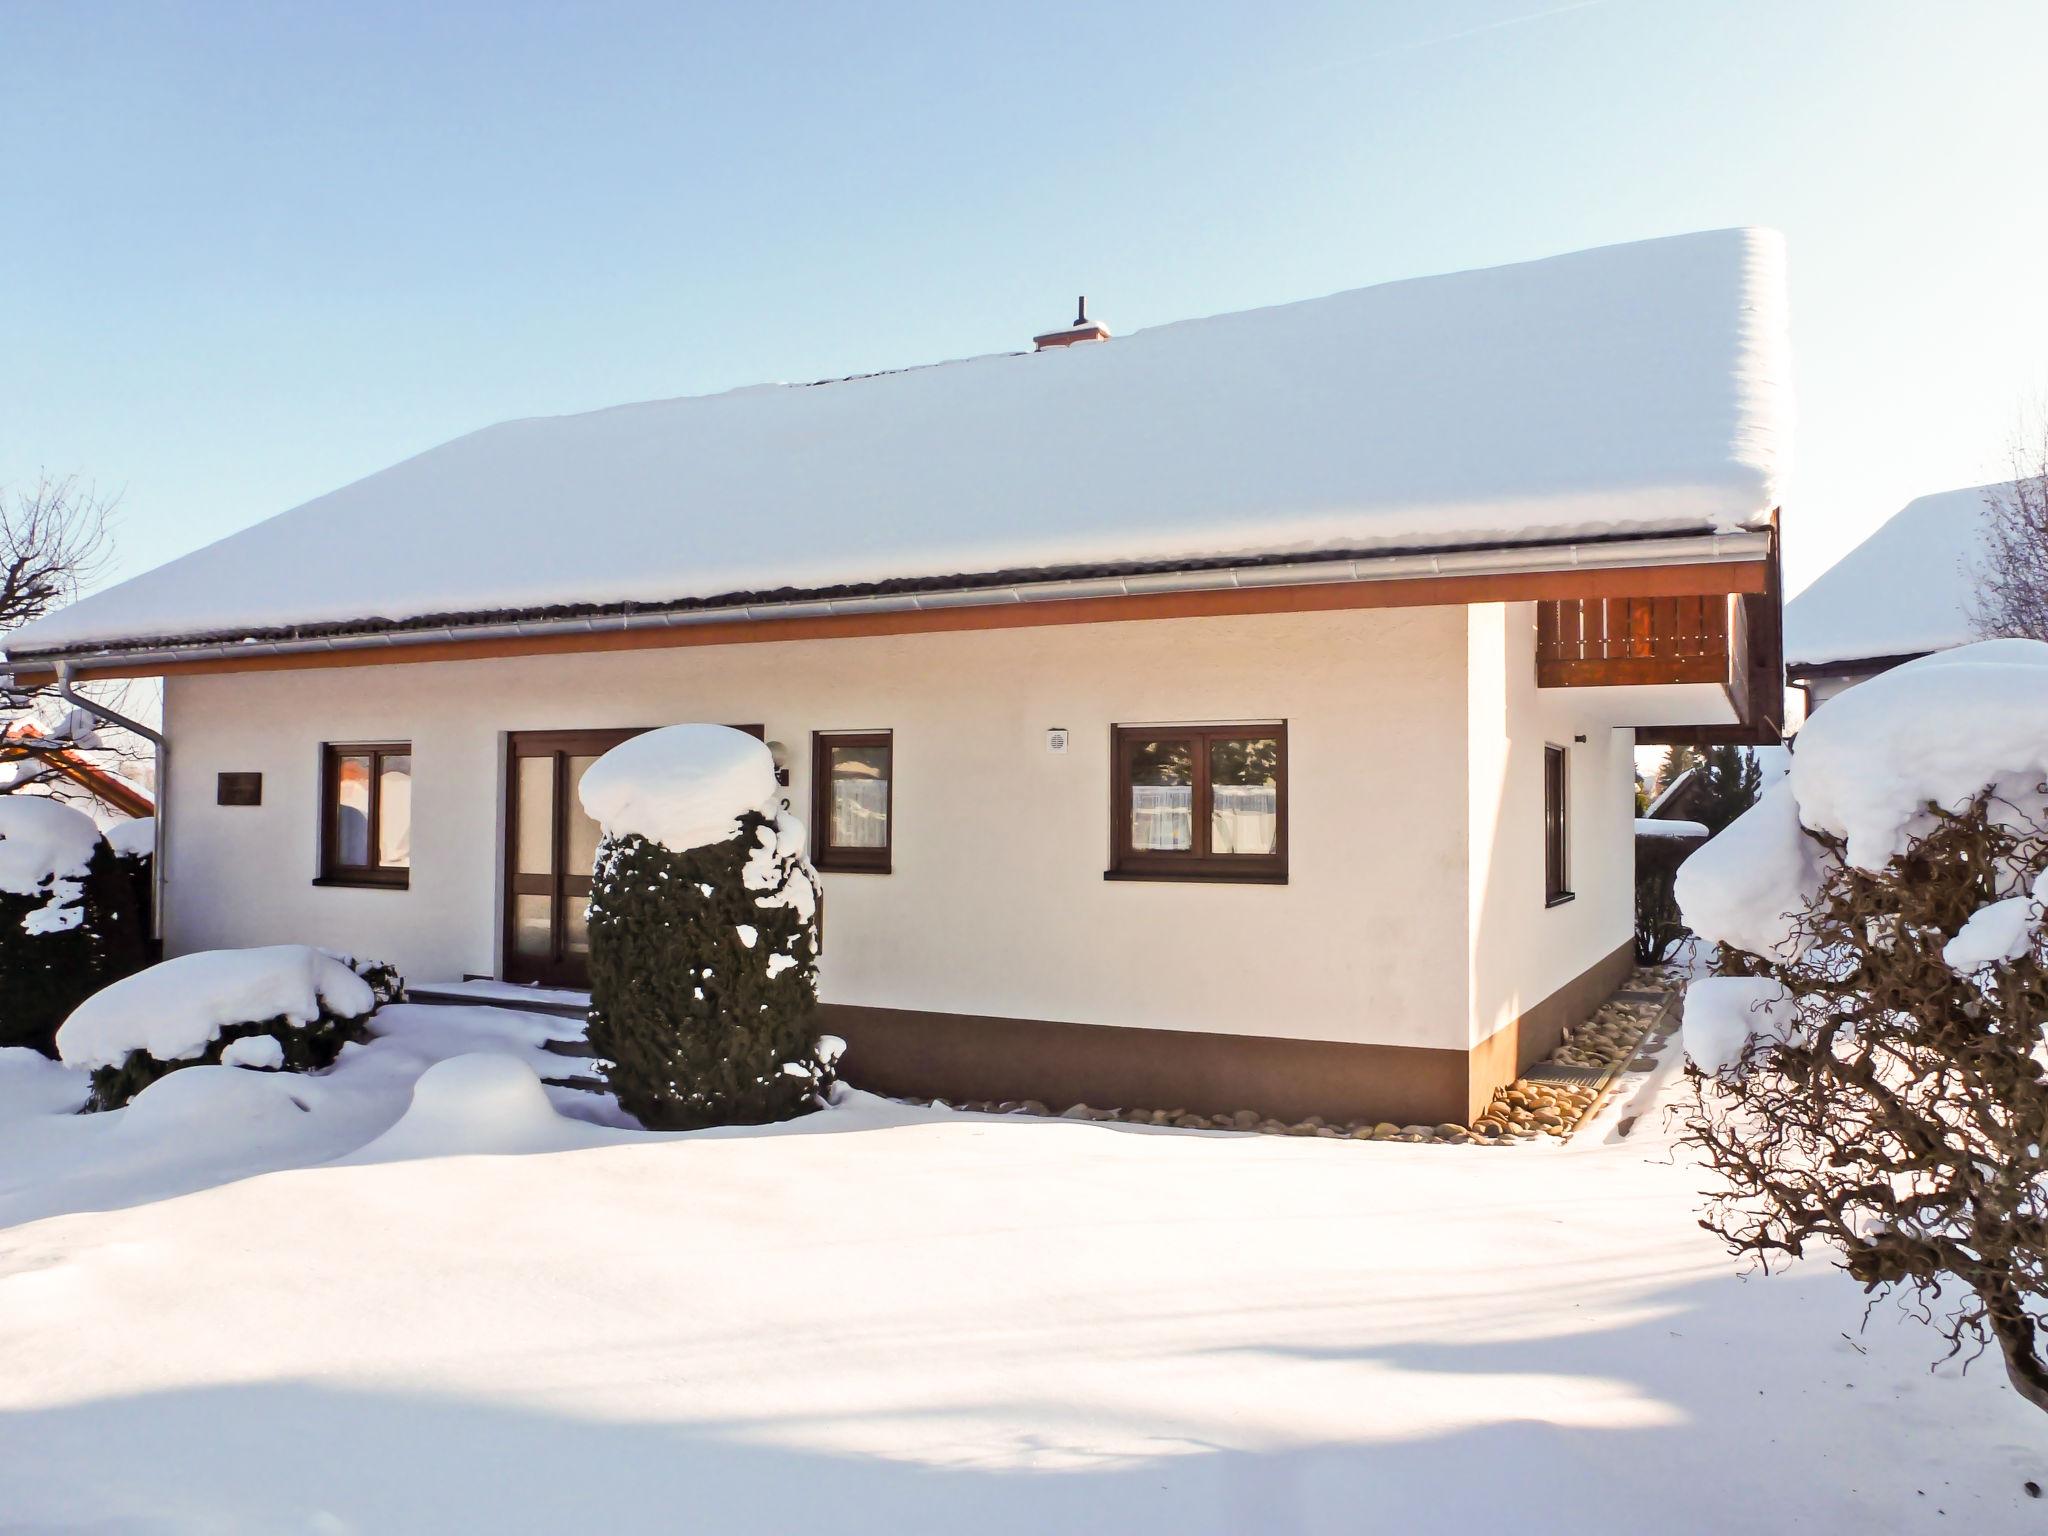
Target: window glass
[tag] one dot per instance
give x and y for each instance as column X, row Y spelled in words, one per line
column 352, row 811
column 394, row 811
column 1199, row 802
column 535, row 839
column 532, row 933
column 860, row 796
column 1556, row 826
column 576, row 926
column 1244, row 795
column 1162, row 805
column 583, row 833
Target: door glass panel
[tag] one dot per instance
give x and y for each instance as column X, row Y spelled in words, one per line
column 576, row 926
column 394, row 812
column 581, row 858
column 1244, row 793
column 860, row 796
column 531, row 929
column 1162, row 796
column 534, row 837
column 352, row 814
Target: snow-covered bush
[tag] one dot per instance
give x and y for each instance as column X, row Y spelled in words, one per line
column 68, row 921
column 1869, row 1066
column 287, row 1007
column 134, row 845
column 703, row 933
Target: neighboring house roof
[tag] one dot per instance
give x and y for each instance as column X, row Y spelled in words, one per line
column 1659, row 826
column 1677, row 797
column 1636, row 389
column 1902, row 592
column 110, row 789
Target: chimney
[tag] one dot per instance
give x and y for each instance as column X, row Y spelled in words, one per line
column 1083, row 329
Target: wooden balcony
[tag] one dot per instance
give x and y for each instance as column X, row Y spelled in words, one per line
column 1634, row 641
column 1687, row 660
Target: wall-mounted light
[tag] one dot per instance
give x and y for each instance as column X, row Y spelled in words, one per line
column 780, row 753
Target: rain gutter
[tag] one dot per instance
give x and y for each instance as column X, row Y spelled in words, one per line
column 99, row 711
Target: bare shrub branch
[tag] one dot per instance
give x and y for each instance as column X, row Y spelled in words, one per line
column 1903, row 1123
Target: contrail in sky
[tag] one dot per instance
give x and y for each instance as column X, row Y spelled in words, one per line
column 1491, row 26
column 1427, row 42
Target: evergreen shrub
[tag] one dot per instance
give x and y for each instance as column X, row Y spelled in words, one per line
column 49, row 963
column 703, row 977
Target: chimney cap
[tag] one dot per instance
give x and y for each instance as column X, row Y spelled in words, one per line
column 1083, row 329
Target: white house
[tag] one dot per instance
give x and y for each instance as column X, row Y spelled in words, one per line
column 1234, row 714
column 1902, row 593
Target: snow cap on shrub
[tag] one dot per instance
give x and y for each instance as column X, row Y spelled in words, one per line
column 46, row 848
column 1940, row 729
column 173, row 1011
column 1722, row 1012
column 134, row 838
column 1747, row 888
column 683, row 786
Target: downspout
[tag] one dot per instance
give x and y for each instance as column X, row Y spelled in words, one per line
column 99, row 711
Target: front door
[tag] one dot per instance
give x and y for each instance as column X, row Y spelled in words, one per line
column 550, row 851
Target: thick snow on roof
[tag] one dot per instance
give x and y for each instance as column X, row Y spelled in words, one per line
column 1636, row 388
column 1902, row 591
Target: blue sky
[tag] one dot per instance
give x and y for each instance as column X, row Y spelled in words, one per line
column 254, row 251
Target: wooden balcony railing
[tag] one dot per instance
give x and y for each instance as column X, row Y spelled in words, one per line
column 1637, row 641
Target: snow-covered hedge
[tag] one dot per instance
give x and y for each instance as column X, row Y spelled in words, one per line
column 134, row 845
column 703, row 933
column 68, row 919
column 287, row 1006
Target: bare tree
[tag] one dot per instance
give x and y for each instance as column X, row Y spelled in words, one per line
column 55, row 538
column 2009, row 580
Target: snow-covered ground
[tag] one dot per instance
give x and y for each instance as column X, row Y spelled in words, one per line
column 253, row 1303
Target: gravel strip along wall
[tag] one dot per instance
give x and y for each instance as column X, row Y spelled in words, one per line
column 1528, row 1109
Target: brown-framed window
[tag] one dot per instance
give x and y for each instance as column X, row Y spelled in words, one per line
column 853, row 792
column 1204, row 802
column 1557, row 840
column 366, row 814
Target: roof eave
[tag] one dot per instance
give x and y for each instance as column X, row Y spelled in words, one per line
column 1566, row 559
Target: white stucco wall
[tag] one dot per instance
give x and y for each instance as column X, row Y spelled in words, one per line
column 1519, row 950
column 997, row 903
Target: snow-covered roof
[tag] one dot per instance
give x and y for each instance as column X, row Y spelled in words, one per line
column 1670, row 792
column 1629, row 390
column 1903, row 591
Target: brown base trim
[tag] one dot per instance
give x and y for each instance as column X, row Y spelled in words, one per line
column 1510, row 1051
column 975, row 1056
column 916, row 1054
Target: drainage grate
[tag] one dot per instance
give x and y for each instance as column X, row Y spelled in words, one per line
column 1563, row 1072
